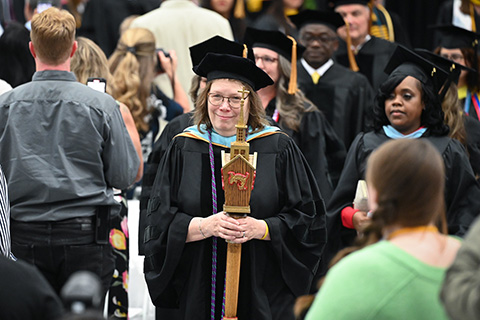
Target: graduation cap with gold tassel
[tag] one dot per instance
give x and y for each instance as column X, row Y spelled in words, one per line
column 284, row 45
column 217, row 44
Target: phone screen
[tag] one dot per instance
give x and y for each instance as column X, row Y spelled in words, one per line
column 98, row 84
column 42, row 6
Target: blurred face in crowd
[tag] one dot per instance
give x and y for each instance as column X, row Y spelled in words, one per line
column 455, row 55
column 292, row 4
column 267, row 60
column 224, row 106
column 404, row 106
column 320, row 41
column 223, row 7
column 357, row 17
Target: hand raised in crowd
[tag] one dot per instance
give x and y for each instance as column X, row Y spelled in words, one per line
column 168, row 63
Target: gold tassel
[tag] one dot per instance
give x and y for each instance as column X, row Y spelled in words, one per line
column 239, row 11
column 351, row 56
column 292, row 86
column 370, row 5
column 245, row 51
column 472, row 17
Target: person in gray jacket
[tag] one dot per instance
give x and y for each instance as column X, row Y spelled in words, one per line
column 461, row 289
column 64, row 147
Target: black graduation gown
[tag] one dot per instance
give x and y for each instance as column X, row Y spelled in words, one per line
column 345, row 98
column 174, row 127
column 445, row 17
column 399, row 33
column 272, row 273
column 462, row 192
column 472, row 127
column 371, row 59
column 323, row 150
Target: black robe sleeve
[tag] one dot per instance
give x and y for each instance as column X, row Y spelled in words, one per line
column 323, row 150
column 173, row 128
column 272, row 272
column 472, row 127
column 354, row 169
column 462, row 191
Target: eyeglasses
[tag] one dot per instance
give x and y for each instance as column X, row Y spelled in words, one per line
column 454, row 57
column 323, row 39
column 266, row 59
column 217, row 100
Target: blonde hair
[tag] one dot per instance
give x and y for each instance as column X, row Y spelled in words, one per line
column 132, row 67
column 125, row 25
column 53, row 34
column 89, row 61
column 291, row 107
column 453, row 115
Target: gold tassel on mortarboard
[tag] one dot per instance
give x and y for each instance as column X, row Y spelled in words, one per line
column 245, row 51
column 292, row 86
column 351, row 56
column 239, row 11
column 472, row 14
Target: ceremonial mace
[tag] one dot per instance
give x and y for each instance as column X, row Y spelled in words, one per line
column 238, row 177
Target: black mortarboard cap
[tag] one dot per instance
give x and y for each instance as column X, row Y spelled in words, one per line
column 218, row 44
column 450, row 66
column 452, row 37
column 226, row 66
column 329, row 18
column 284, row 45
column 337, row 3
column 273, row 40
column 408, row 63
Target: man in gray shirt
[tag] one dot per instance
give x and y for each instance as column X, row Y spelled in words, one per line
column 63, row 147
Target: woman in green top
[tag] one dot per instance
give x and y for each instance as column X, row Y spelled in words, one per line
column 399, row 277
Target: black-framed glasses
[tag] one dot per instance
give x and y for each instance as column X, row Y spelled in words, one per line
column 217, row 100
column 322, row 39
column 456, row 57
column 266, row 59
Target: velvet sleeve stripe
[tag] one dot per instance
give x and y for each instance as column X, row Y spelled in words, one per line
column 5, row 246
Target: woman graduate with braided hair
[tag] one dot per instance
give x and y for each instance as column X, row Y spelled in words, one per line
column 283, row 236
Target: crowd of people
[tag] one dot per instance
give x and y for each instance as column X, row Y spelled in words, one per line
column 365, row 153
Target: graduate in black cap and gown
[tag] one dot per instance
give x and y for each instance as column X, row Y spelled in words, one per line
column 215, row 44
column 283, row 236
column 276, row 54
column 460, row 46
column 406, row 107
column 371, row 53
column 462, row 127
column 345, row 97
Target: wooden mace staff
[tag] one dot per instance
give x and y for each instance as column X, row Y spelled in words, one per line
column 238, row 178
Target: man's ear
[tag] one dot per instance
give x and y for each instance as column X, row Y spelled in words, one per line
column 335, row 45
column 32, row 49
column 74, row 48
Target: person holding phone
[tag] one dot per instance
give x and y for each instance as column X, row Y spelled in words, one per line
column 32, row 7
column 67, row 149
column 88, row 61
column 133, row 65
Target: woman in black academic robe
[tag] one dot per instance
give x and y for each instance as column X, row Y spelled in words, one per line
column 283, row 236
column 462, row 192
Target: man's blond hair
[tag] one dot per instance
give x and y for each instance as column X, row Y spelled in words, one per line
column 53, row 34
